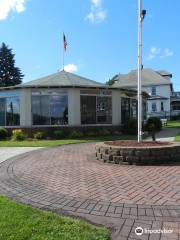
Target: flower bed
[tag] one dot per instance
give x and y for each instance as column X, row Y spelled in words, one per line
column 132, row 152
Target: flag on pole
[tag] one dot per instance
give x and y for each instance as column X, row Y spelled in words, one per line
column 65, row 42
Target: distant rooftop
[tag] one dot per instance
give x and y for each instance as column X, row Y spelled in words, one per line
column 149, row 77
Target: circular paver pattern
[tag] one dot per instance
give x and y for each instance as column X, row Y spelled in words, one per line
column 69, row 170
column 69, row 178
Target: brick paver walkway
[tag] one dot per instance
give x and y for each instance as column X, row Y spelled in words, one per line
column 69, row 180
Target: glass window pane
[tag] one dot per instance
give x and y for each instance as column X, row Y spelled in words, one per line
column 36, row 110
column 44, row 105
column 59, row 110
column 40, row 110
column 50, row 110
column 125, row 109
column 12, row 111
column 88, row 109
column 104, row 110
column 162, row 106
column 134, row 108
column 154, row 107
column 2, row 111
column 153, row 90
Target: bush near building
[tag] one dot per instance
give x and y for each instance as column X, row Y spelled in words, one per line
column 155, row 122
column 18, row 135
column 3, row 133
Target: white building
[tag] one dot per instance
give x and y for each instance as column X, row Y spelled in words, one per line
column 157, row 84
column 175, row 104
column 65, row 100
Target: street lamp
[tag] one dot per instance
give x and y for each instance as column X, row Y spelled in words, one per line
column 141, row 16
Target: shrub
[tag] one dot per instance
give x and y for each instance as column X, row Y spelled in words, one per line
column 75, row 134
column 3, row 133
column 131, row 126
column 58, row 134
column 104, row 132
column 91, row 134
column 18, row 135
column 154, row 122
column 39, row 135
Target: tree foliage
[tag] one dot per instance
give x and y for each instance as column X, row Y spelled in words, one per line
column 10, row 75
column 112, row 80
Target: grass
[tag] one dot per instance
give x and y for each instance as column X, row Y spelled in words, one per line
column 21, row 222
column 173, row 124
column 55, row 143
column 178, row 138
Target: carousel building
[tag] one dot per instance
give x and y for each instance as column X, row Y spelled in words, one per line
column 67, row 100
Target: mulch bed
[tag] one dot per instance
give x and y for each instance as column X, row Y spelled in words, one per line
column 133, row 143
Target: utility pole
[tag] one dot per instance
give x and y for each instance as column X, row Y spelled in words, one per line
column 141, row 15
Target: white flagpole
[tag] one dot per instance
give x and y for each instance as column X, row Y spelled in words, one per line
column 139, row 70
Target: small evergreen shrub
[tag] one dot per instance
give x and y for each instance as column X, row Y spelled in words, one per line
column 130, row 127
column 18, row 135
column 91, row 134
column 155, row 122
column 104, row 132
column 58, row 134
column 39, row 135
column 3, row 133
column 75, row 134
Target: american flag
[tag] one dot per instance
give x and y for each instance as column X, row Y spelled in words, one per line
column 65, row 42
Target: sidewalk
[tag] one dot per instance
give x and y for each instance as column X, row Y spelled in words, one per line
column 167, row 134
column 8, row 152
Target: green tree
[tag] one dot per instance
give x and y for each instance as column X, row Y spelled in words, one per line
column 112, row 80
column 10, row 75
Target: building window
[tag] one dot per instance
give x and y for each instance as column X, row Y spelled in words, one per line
column 59, row 110
column 176, row 106
column 125, row 109
column 104, row 110
column 162, row 107
column 40, row 110
column 88, row 109
column 12, row 111
column 2, row 111
column 9, row 111
column 154, row 107
column 96, row 109
column 153, row 90
column 50, row 109
column 134, row 108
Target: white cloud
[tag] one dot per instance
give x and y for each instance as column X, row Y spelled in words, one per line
column 167, row 53
column 71, row 68
column 158, row 52
column 98, row 13
column 96, row 3
column 154, row 51
column 8, row 6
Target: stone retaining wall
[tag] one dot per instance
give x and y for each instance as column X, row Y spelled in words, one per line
column 138, row 155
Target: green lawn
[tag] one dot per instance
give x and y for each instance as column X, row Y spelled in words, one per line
column 21, row 222
column 173, row 124
column 178, row 138
column 54, row 143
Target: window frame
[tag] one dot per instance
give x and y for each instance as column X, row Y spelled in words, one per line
column 153, row 90
column 49, row 94
column 154, row 107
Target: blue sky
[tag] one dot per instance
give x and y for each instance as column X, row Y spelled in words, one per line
column 101, row 36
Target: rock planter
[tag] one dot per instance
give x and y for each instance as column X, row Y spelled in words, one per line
column 132, row 152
